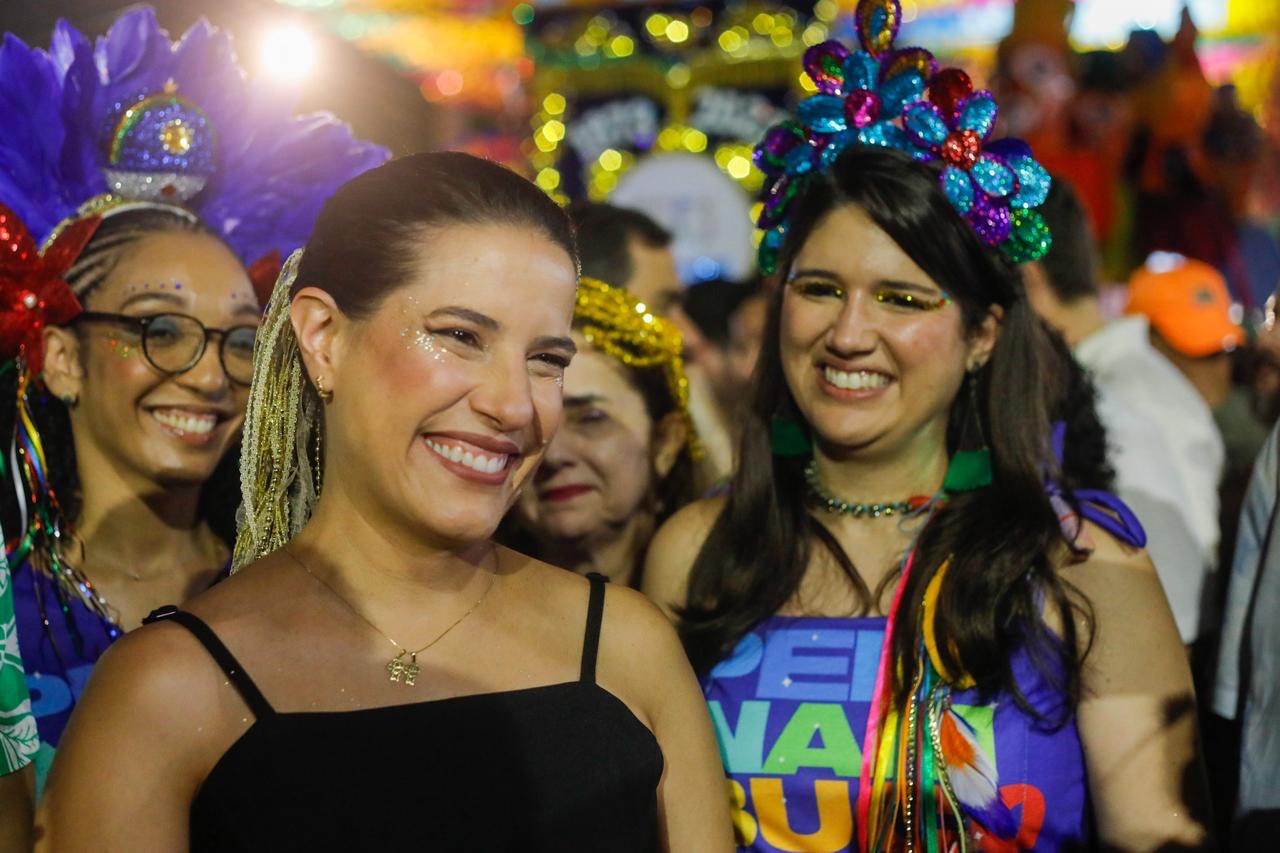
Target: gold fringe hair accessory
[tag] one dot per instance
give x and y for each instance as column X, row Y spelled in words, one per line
column 616, row 323
column 278, row 486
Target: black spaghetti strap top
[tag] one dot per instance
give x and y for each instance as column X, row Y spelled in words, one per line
column 566, row 767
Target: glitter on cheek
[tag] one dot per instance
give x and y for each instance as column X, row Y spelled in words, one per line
column 120, row 348
column 424, row 341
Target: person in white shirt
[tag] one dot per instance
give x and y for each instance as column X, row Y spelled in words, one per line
column 1163, row 443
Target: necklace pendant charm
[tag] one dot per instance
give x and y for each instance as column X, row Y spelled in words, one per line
column 403, row 672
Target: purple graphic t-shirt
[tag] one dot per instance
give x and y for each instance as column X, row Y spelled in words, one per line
column 790, row 712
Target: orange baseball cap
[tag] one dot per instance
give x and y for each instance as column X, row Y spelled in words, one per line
column 1187, row 302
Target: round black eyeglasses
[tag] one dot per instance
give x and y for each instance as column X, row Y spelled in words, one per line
column 175, row 343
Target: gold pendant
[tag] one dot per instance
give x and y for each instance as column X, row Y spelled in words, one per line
column 404, row 672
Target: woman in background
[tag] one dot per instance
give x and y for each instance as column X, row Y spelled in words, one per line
column 622, row 461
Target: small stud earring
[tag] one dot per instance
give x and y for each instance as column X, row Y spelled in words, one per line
column 70, row 400
column 325, row 396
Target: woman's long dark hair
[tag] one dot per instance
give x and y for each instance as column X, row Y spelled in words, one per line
column 115, row 236
column 1001, row 541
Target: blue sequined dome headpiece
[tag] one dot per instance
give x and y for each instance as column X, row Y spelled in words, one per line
column 896, row 97
column 136, row 119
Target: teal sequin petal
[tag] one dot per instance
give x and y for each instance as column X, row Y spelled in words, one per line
column 899, row 91
column 993, row 177
column 837, row 145
column 823, row 113
column 1033, row 182
column 799, row 160
column 959, row 189
column 861, row 71
column 887, row 135
column 978, row 113
column 926, row 125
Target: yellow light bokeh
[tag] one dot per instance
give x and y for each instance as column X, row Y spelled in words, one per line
column 554, row 104
column 694, row 140
column 548, row 179
column 730, row 41
column 677, row 31
column 554, row 130
column 622, row 46
column 815, row 33
column 657, row 25
column 763, row 23
column 739, row 167
column 610, row 160
column 543, row 144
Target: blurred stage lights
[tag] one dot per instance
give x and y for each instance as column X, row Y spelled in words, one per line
column 288, row 52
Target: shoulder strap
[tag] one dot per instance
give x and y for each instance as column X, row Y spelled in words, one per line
column 221, row 655
column 595, row 612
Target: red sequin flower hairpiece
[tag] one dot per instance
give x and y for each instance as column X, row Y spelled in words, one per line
column 33, row 290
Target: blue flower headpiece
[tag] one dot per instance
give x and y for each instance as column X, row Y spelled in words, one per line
column 140, row 120
column 877, row 96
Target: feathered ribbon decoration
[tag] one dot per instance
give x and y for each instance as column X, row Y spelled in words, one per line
column 927, row 782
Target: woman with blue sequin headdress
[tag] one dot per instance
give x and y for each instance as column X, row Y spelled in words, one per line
column 920, row 622
column 147, row 194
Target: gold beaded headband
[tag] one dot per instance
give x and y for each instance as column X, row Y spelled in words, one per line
column 616, row 323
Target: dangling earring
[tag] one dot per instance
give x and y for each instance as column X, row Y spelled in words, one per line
column 788, row 438
column 970, row 466
column 325, row 396
column 318, row 475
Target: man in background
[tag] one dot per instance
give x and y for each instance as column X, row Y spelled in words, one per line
column 627, row 249
column 1162, row 440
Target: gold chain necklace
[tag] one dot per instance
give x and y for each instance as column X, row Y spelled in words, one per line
column 399, row 669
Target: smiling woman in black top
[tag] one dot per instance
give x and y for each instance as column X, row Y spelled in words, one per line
column 380, row 675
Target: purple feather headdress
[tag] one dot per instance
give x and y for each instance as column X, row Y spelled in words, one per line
column 139, row 118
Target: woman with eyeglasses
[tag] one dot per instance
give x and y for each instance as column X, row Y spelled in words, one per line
column 128, row 314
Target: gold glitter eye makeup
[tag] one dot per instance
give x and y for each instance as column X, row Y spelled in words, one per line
column 817, row 289
column 911, row 301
